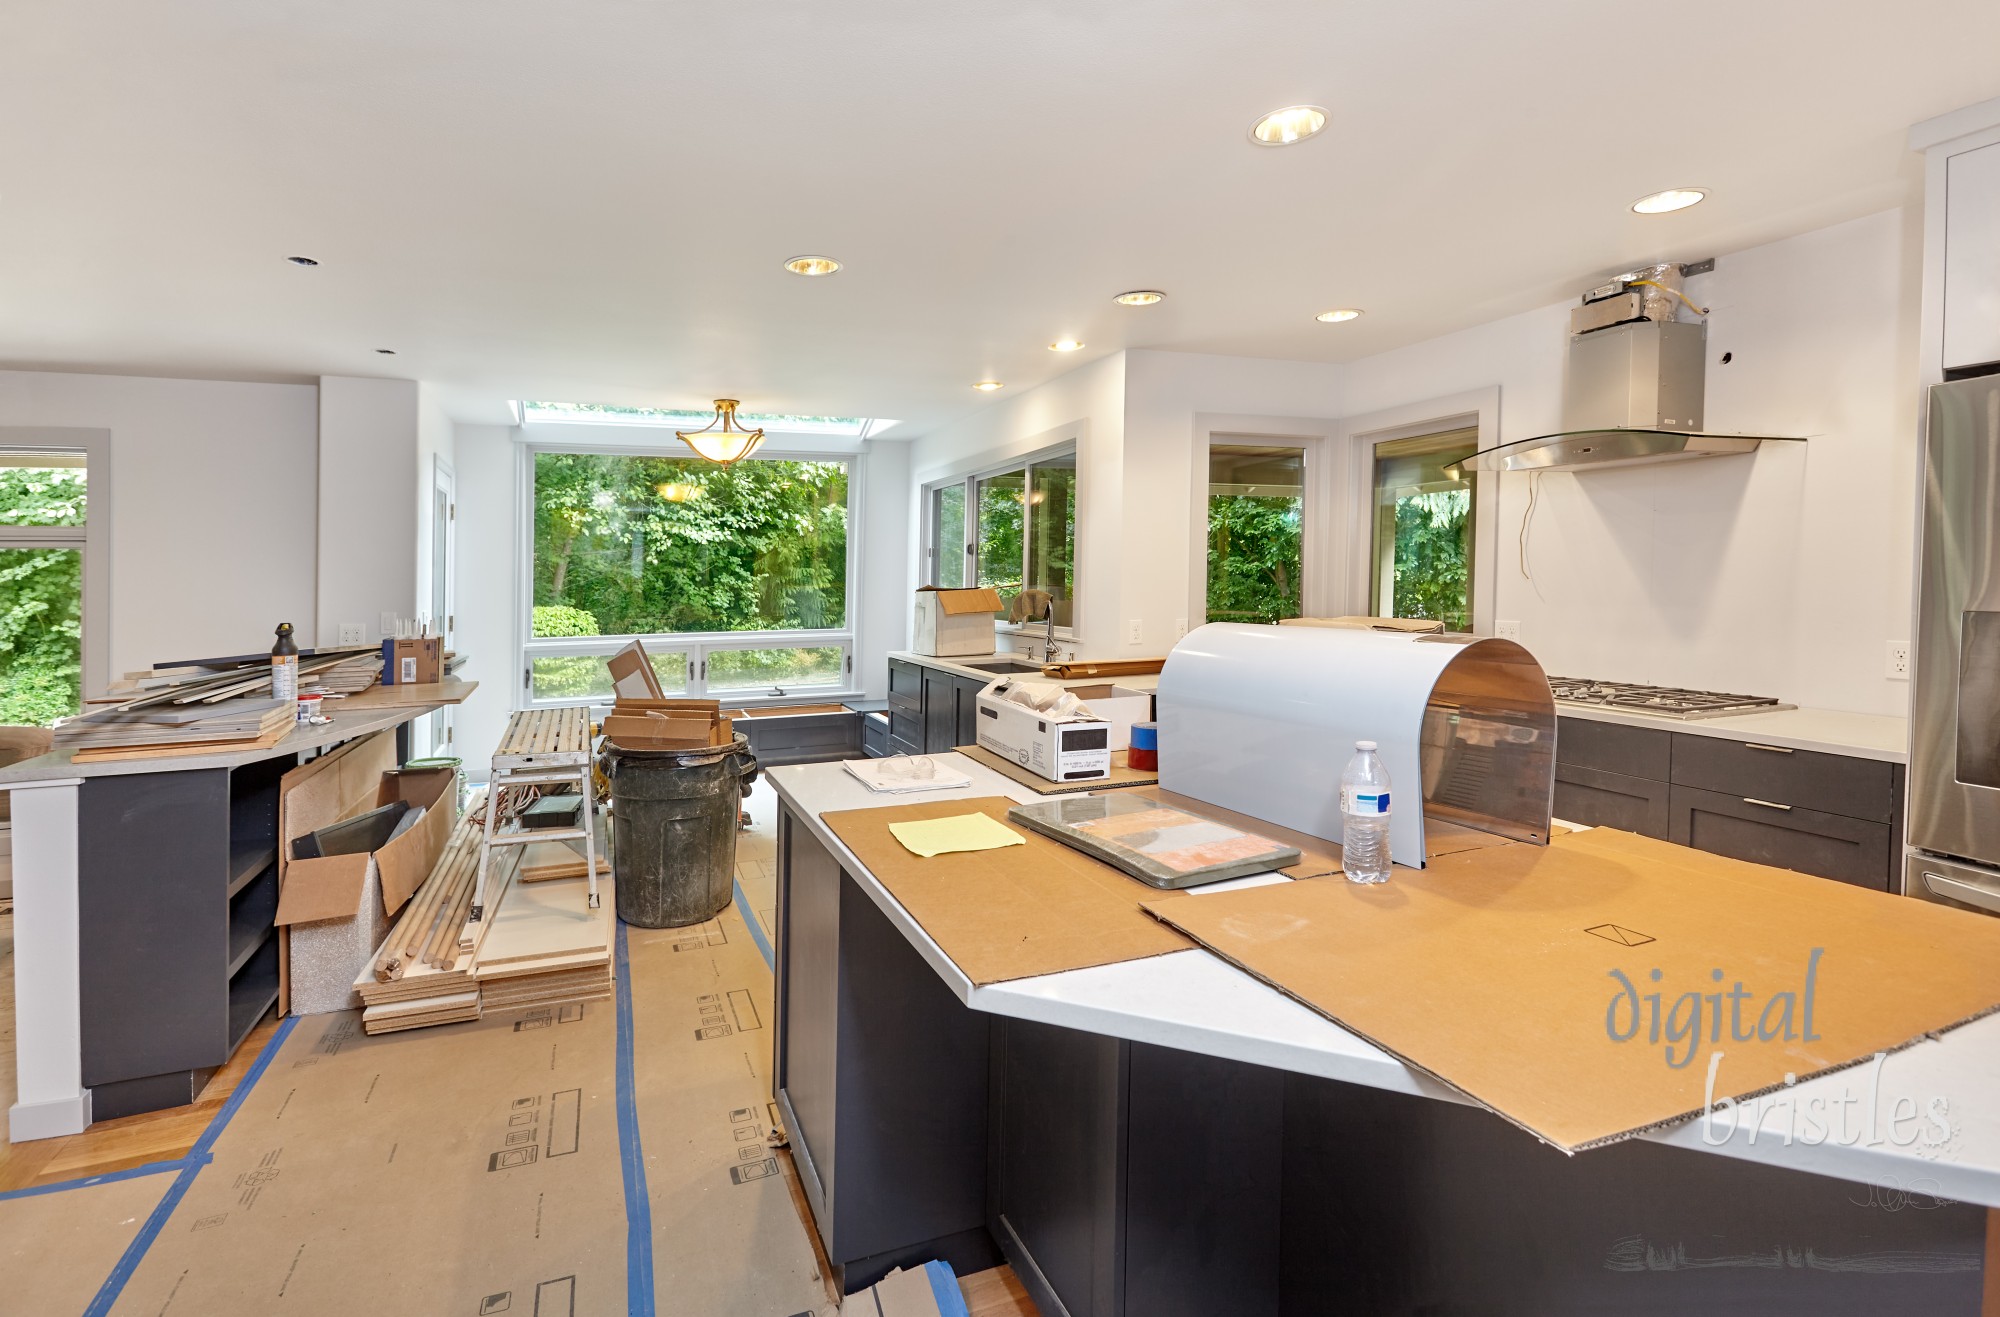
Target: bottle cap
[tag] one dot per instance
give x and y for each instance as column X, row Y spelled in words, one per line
column 1364, row 745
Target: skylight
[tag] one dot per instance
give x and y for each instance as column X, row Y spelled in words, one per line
column 597, row 413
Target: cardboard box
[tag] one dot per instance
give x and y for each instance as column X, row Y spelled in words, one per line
column 632, row 675
column 1061, row 749
column 413, row 661
column 338, row 908
column 656, row 731
column 1118, row 705
column 952, row 622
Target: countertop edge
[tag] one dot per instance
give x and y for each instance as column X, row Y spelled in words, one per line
column 1828, row 731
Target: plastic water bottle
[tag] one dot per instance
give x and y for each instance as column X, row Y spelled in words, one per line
column 1364, row 817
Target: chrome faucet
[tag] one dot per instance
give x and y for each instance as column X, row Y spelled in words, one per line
column 1049, row 636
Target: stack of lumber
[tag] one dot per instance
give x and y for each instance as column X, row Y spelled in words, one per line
column 541, row 945
column 255, row 722
column 648, row 724
column 350, row 676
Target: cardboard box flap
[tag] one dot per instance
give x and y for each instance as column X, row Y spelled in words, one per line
column 958, row 601
column 1502, row 972
column 327, row 888
column 408, row 858
column 632, row 675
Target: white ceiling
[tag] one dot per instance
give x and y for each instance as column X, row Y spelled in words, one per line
column 590, row 200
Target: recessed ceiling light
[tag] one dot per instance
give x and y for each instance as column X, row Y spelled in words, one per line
column 1065, row 345
column 387, row 352
column 987, row 386
column 1290, row 125
column 1140, row 297
column 302, row 260
column 812, row 267
column 1674, row 198
column 1335, row 317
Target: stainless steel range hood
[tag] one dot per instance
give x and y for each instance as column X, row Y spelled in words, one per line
column 1633, row 397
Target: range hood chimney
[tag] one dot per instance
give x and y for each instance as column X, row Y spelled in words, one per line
column 1633, row 396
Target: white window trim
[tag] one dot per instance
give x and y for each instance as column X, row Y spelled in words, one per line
column 1318, row 590
column 697, row 644
column 1353, row 551
column 928, row 550
column 93, row 537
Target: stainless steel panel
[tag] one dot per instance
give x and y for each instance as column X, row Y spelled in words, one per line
column 1647, row 375
column 1955, row 711
column 1946, row 882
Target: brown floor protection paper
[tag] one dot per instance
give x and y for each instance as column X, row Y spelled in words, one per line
column 475, row 1168
column 1497, row 971
column 1010, row 913
column 57, row 1248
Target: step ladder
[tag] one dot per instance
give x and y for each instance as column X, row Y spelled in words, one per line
column 542, row 747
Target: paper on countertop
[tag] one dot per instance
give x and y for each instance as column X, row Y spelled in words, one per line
column 960, row 832
column 869, row 773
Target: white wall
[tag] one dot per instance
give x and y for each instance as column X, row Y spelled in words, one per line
column 1785, row 573
column 436, row 446
column 881, row 622
column 213, row 505
column 367, row 503
column 484, row 458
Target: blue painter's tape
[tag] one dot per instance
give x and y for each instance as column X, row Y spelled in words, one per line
column 135, row 1252
column 631, row 1158
column 756, row 929
column 944, row 1290
column 112, row 1177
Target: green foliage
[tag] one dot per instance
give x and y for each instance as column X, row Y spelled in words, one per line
column 1254, row 551
column 1000, row 528
column 562, row 620
column 649, row 545
column 41, row 600
column 1434, row 557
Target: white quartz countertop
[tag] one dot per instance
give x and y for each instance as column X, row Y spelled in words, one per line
column 1830, row 731
column 1196, row 1002
column 958, row 668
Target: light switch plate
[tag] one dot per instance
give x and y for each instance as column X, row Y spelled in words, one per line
column 1897, row 668
column 1510, row 629
column 350, row 633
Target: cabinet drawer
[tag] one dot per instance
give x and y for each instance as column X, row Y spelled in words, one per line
column 1833, row 784
column 1614, row 747
column 905, row 679
column 907, row 726
column 1827, row 845
column 1611, row 800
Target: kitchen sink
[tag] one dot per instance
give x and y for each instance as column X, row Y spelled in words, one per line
column 1004, row 665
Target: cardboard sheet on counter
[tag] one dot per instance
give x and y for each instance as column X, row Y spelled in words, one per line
column 1012, row 913
column 1495, row 970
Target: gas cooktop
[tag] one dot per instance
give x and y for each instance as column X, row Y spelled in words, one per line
column 1662, row 701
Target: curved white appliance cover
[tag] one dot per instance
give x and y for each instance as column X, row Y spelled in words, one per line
column 1263, row 719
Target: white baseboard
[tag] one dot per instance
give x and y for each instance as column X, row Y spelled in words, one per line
column 48, row 1120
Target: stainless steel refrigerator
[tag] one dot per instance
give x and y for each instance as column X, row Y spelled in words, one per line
column 1954, row 808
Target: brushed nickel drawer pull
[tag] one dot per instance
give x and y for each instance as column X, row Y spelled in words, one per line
column 1767, row 804
column 1774, row 749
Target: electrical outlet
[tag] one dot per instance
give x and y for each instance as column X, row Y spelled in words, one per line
column 1180, row 627
column 388, row 625
column 350, row 633
column 1135, row 632
column 1898, row 668
column 1508, row 629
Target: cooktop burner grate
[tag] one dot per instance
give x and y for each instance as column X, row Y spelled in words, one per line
column 1662, row 701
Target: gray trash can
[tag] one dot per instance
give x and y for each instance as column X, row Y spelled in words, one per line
column 673, row 819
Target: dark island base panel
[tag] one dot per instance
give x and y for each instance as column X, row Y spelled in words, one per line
column 1127, row 1180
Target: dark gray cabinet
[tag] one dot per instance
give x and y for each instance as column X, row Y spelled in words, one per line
column 940, row 711
column 931, row 711
column 880, row 1075
column 906, row 708
column 968, row 709
column 1833, row 816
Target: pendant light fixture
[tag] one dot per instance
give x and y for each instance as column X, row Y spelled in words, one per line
column 722, row 441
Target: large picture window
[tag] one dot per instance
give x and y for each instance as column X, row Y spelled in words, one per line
column 44, row 499
column 736, row 577
column 1013, row 528
column 1423, row 531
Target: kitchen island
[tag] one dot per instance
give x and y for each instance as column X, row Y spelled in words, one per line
column 1171, row 1135
column 144, row 892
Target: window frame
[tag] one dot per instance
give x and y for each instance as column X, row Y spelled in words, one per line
column 930, row 552
column 698, row 645
column 93, row 538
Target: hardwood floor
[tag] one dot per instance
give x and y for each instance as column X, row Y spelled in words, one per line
column 109, row 1145
column 996, row 1293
